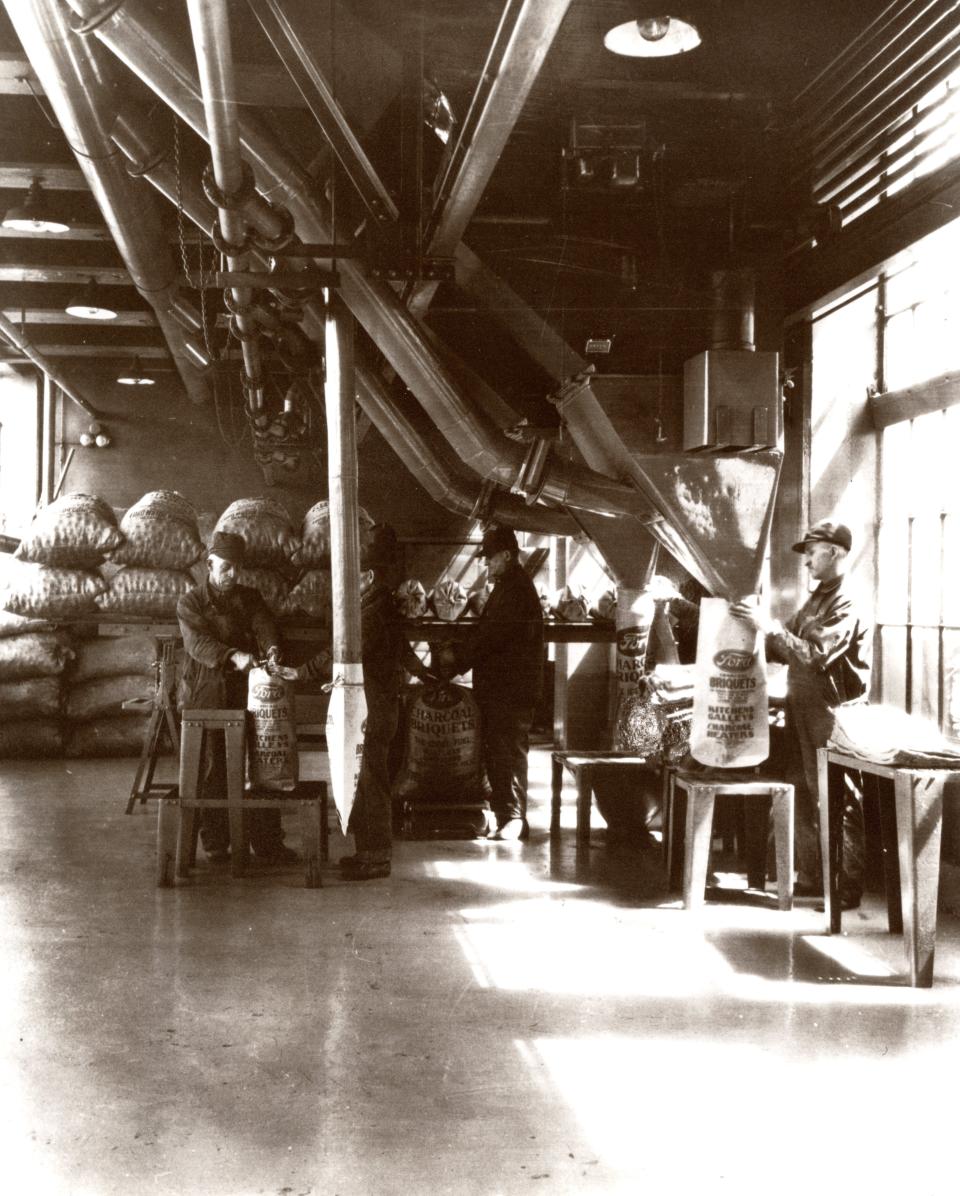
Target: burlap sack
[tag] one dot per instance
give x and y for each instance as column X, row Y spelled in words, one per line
column 30, row 738
column 51, row 592
column 11, row 624
column 75, row 531
column 150, row 592
column 161, row 533
column 272, row 586
column 314, row 550
column 449, row 600
column 37, row 654
column 267, row 531
column 112, row 656
column 103, row 697
column 106, row 737
column 311, row 596
column 412, row 599
column 32, row 697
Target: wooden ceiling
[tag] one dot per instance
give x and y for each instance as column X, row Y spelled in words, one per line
column 707, row 135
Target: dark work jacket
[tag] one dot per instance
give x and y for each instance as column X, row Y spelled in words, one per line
column 505, row 649
column 385, row 649
column 827, row 648
column 214, row 625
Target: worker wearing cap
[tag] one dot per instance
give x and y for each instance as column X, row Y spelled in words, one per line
column 505, row 652
column 827, row 648
column 226, row 627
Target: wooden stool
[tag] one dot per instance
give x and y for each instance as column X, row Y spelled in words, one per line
column 177, row 836
column 582, row 765
column 701, row 790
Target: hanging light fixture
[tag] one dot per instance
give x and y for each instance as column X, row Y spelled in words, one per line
column 652, row 37
column 133, row 375
column 33, row 215
column 90, row 304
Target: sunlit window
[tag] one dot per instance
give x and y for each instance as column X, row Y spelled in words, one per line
column 18, row 451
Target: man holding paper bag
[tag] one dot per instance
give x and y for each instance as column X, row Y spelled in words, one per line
column 826, row 646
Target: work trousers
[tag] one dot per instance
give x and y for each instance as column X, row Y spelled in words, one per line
column 506, row 742
column 802, row 773
column 371, row 816
column 265, row 830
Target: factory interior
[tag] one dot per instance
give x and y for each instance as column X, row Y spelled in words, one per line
column 657, row 306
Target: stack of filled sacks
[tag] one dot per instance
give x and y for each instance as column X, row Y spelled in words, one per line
column 56, row 575
column 271, row 546
column 311, row 596
column 161, row 543
column 32, row 659
column 106, row 673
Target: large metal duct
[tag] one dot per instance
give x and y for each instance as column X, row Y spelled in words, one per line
column 431, row 465
column 211, row 37
column 440, row 476
column 12, row 333
column 72, row 81
column 134, row 34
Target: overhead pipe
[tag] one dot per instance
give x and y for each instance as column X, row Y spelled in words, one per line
column 440, row 476
column 433, row 468
column 322, row 103
column 74, row 83
column 20, row 341
column 211, row 39
column 133, row 33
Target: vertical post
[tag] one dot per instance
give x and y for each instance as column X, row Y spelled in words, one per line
column 347, row 708
column 558, row 580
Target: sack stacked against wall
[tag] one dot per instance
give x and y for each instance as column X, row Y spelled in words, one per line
column 75, row 531
column 161, row 532
column 311, row 596
column 32, row 664
column 107, row 672
column 268, row 533
column 314, row 548
column 153, row 593
column 162, row 542
column 57, row 576
column 449, row 600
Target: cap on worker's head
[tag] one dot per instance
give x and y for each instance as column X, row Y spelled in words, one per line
column 498, row 539
column 229, row 546
column 381, row 548
column 826, row 532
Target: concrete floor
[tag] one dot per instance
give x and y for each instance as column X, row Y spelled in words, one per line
column 495, row 1018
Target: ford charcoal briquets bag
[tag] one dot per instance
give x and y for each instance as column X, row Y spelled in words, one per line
column 272, row 760
column 729, row 727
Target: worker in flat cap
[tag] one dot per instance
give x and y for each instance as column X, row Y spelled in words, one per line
column 827, row 649
column 505, row 652
column 226, row 626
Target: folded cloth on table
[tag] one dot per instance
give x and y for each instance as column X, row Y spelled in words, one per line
column 888, row 735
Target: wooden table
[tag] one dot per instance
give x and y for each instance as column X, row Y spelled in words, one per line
column 582, row 766
column 911, row 849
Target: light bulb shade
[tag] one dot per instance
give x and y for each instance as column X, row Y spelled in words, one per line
column 32, row 216
column 90, row 304
column 652, row 37
column 133, row 375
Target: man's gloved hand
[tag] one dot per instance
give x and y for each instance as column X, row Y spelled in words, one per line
column 285, row 671
column 748, row 611
column 241, row 661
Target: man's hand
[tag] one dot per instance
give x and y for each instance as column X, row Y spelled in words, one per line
column 748, row 611
column 241, row 661
column 285, row 671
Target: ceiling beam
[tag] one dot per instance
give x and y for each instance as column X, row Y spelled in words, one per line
column 53, row 177
column 258, row 85
column 77, row 232
column 68, row 275
column 119, row 352
column 38, row 315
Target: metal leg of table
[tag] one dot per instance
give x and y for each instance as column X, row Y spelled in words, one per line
column 891, row 854
column 919, row 803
